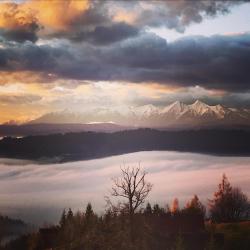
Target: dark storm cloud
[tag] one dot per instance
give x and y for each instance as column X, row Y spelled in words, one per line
column 179, row 14
column 28, row 33
column 102, row 35
column 217, row 62
column 171, row 14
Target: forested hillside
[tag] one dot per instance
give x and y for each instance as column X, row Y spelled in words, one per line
column 87, row 145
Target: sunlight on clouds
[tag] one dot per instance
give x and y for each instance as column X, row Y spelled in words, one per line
column 24, row 77
column 124, row 16
column 15, row 16
column 53, row 14
column 17, row 113
column 199, row 91
column 57, row 14
column 80, row 96
column 127, row 93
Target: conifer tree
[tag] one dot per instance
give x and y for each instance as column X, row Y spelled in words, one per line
column 195, row 206
column 157, row 210
column 148, row 210
column 228, row 204
column 89, row 211
column 63, row 219
column 70, row 215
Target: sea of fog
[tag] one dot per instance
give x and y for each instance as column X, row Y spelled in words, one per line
column 38, row 193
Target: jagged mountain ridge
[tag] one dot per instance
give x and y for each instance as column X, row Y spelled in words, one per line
column 176, row 114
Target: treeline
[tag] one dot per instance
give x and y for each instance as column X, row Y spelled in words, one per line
column 48, row 128
column 126, row 226
column 87, row 145
column 11, row 227
column 153, row 229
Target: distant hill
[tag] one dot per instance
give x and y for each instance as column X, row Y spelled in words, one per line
column 53, row 128
column 176, row 115
column 89, row 145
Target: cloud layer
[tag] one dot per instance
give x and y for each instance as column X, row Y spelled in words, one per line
column 77, row 20
column 217, row 62
column 109, row 41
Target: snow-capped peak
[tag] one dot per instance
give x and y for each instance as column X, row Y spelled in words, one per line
column 147, row 110
column 200, row 107
column 175, row 114
column 176, row 107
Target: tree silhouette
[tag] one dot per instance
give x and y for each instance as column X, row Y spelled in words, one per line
column 195, row 206
column 148, row 210
column 132, row 187
column 89, row 211
column 63, row 219
column 229, row 204
column 157, row 210
column 70, row 215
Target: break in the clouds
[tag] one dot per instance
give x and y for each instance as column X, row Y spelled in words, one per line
column 71, row 43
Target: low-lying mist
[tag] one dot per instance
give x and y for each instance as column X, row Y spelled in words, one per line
column 38, row 193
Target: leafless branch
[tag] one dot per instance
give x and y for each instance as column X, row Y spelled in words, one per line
column 132, row 187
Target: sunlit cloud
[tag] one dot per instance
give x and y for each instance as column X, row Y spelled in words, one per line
column 28, row 17
column 23, row 102
column 7, row 77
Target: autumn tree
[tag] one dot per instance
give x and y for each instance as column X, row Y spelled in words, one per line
column 229, row 204
column 175, row 208
column 195, row 206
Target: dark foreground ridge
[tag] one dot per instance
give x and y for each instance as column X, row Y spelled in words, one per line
column 90, row 145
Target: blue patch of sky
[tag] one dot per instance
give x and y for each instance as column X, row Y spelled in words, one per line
column 235, row 22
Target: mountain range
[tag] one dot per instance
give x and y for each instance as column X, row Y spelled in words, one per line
column 175, row 115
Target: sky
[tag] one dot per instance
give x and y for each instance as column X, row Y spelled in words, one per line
column 80, row 54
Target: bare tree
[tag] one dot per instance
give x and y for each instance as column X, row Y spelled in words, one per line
column 131, row 186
